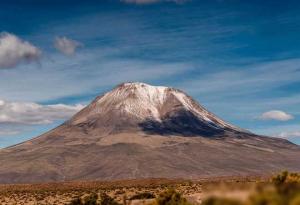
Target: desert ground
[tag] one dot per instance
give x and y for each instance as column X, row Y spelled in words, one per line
column 280, row 189
column 125, row 192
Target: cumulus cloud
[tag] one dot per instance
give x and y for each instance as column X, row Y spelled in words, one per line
column 66, row 46
column 28, row 113
column 14, row 50
column 152, row 1
column 276, row 115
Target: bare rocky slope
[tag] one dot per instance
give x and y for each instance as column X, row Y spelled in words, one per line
column 143, row 131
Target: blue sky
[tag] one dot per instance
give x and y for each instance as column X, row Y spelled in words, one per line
column 240, row 59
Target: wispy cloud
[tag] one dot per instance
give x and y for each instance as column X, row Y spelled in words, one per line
column 9, row 132
column 246, row 80
column 276, row 115
column 282, row 130
column 90, row 72
column 249, row 90
column 14, row 51
column 66, row 46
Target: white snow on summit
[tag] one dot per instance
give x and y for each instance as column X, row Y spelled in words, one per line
column 139, row 99
column 145, row 101
column 139, row 102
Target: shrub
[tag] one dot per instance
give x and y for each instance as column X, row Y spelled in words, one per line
column 107, row 200
column 144, row 195
column 170, row 197
column 91, row 199
column 76, row 201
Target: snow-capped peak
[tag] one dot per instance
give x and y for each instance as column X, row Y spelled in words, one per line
column 142, row 102
column 155, row 95
column 138, row 99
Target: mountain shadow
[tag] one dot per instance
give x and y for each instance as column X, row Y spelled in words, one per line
column 181, row 123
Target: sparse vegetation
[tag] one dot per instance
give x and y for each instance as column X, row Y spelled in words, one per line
column 283, row 189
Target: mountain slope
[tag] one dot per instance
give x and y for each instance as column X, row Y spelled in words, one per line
column 143, row 131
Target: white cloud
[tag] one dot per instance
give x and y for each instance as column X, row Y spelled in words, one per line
column 289, row 135
column 14, row 50
column 276, row 115
column 66, row 46
column 28, row 113
column 152, row 1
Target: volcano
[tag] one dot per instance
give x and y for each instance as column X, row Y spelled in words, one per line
column 141, row 131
